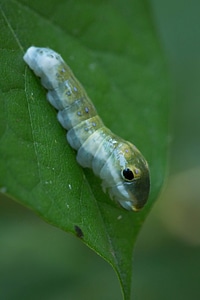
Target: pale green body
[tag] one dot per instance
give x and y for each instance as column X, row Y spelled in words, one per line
column 120, row 165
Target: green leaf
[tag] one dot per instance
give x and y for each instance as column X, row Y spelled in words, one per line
column 114, row 51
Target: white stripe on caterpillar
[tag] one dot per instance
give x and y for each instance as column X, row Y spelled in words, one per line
column 120, row 165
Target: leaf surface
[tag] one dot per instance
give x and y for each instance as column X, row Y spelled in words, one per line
column 114, row 51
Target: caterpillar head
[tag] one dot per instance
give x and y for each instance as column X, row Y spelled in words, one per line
column 129, row 182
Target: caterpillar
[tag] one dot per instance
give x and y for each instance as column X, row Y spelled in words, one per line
column 122, row 168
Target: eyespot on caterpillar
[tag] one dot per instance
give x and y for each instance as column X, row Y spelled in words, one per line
column 120, row 165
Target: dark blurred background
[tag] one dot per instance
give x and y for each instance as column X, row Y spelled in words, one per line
column 38, row 261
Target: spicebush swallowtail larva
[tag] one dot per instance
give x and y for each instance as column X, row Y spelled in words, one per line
column 120, row 165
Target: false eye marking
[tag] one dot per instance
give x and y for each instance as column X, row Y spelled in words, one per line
column 128, row 174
